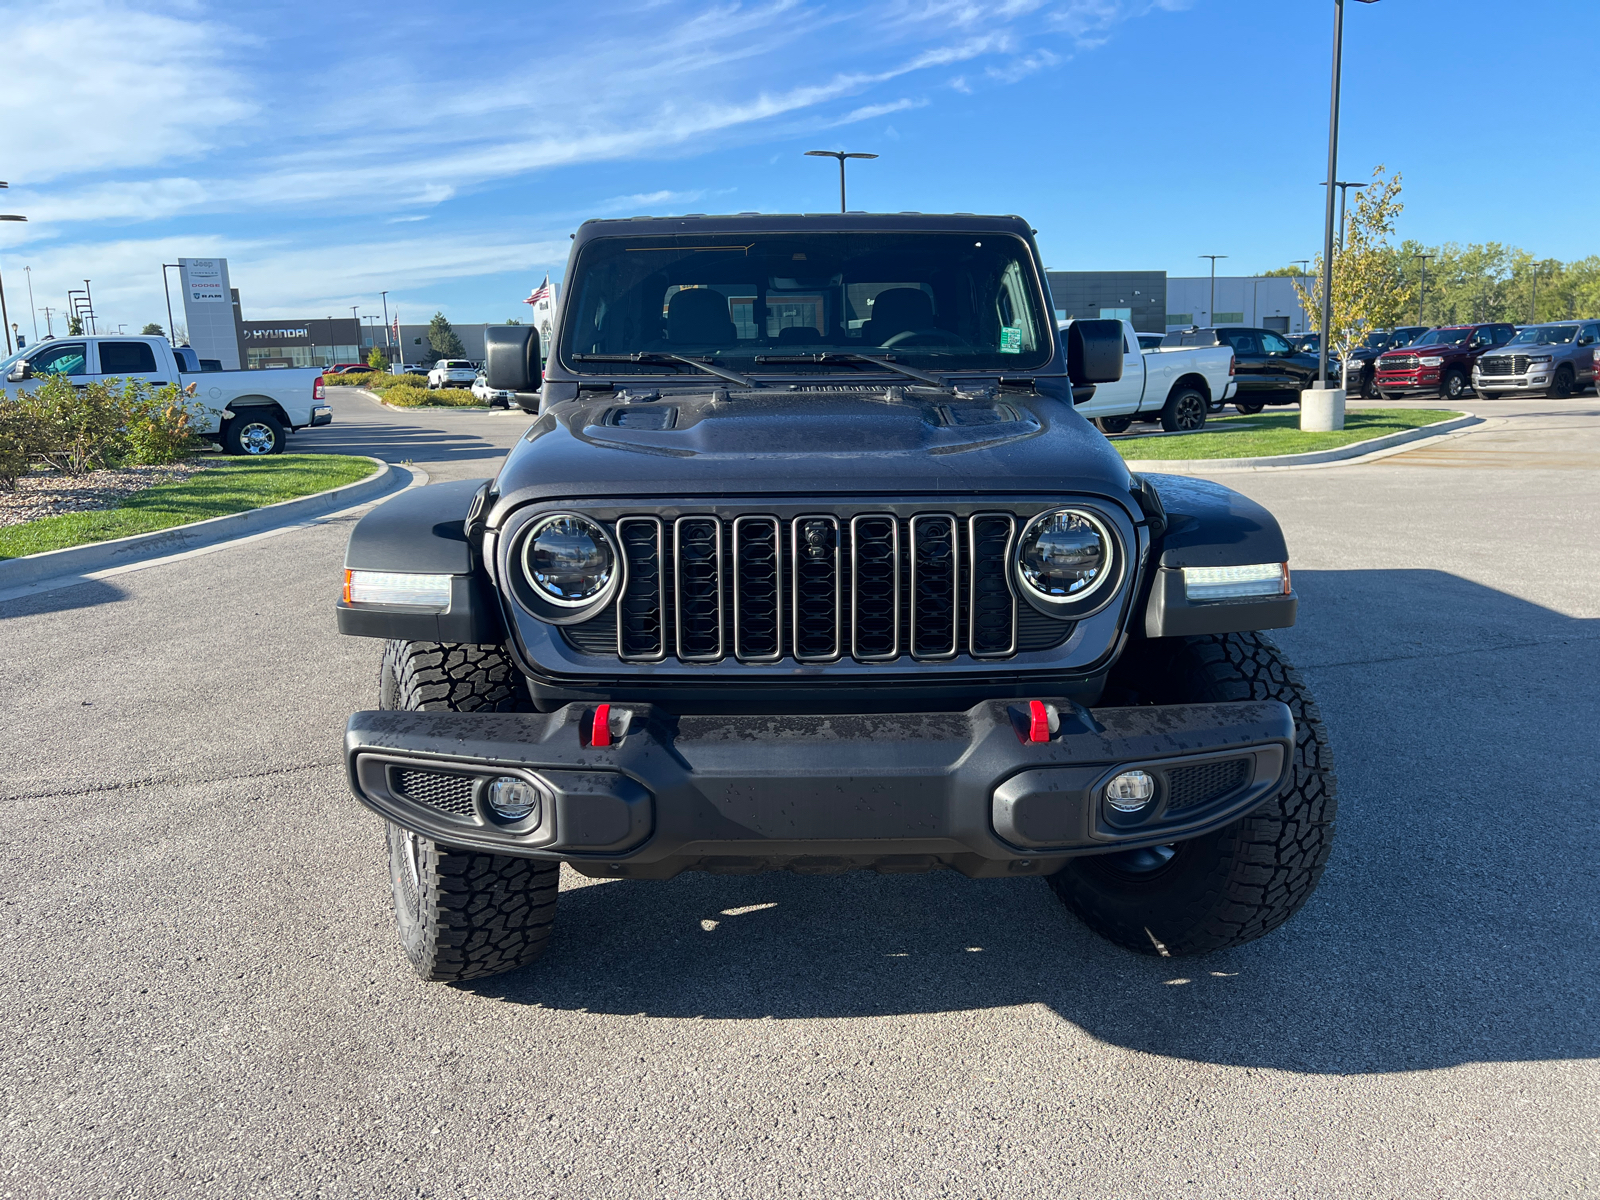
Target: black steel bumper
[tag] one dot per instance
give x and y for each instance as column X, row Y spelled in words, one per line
column 894, row 792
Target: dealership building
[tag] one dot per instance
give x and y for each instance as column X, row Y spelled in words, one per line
column 324, row 341
column 1156, row 302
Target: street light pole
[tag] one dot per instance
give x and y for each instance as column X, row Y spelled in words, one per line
column 94, row 326
column 385, row 296
column 172, row 333
column 1343, row 188
column 4, row 318
column 1533, row 308
column 29, row 272
column 1211, row 313
column 841, row 156
column 1422, row 296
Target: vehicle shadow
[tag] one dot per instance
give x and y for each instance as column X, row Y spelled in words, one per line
column 394, row 442
column 1456, row 922
column 62, row 598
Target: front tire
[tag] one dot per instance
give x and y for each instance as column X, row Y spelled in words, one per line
column 1561, row 388
column 1235, row 885
column 1247, row 408
column 1113, row 424
column 1455, row 385
column 253, row 435
column 1185, row 411
column 462, row 914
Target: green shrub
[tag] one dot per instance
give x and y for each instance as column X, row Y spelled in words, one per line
column 160, row 424
column 18, row 443
column 78, row 429
column 377, row 360
column 99, row 424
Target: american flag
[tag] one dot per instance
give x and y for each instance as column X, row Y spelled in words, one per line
column 540, row 293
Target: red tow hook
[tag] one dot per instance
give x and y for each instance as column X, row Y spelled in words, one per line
column 1038, row 721
column 600, row 731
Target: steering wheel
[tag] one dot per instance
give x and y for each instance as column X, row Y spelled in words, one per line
column 941, row 337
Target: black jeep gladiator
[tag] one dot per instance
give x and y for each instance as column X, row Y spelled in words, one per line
column 807, row 562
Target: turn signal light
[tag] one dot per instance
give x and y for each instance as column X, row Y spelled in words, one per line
column 1235, row 583
column 390, row 587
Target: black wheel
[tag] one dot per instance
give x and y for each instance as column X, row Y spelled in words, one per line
column 1184, row 410
column 1393, row 395
column 462, row 914
column 1483, row 395
column 1455, row 384
column 253, row 433
column 1113, row 424
column 1245, row 880
column 1561, row 387
column 1248, row 409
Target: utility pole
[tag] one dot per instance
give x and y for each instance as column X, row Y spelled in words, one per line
column 841, row 156
column 29, row 272
column 1422, row 296
column 49, row 328
column 1211, row 313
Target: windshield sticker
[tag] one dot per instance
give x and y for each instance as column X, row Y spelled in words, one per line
column 1011, row 339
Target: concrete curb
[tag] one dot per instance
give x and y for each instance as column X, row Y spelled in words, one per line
column 99, row 556
column 1313, row 458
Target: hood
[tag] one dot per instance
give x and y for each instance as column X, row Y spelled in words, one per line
column 805, row 443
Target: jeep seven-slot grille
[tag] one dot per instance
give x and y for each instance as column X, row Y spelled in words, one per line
column 873, row 587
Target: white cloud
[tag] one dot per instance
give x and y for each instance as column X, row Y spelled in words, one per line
column 98, row 86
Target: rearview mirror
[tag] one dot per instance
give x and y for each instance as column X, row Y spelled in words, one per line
column 511, row 358
column 1094, row 352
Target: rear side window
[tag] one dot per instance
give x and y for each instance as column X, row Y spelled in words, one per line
column 126, row 358
column 1243, row 343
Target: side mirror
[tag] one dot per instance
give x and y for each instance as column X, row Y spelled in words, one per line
column 1094, row 352
column 19, row 372
column 511, row 358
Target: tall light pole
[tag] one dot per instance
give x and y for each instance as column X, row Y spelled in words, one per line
column 841, row 156
column 94, row 326
column 1533, row 308
column 1422, row 296
column 1343, row 188
column 172, row 333
column 29, row 272
column 385, row 296
column 1333, row 178
column 1211, row 313
column 4, row 319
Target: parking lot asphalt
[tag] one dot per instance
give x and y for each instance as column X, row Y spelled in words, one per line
column 205, row 996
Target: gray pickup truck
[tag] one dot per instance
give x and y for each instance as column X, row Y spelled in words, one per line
column 1555, row 358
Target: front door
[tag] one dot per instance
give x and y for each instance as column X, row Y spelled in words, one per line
column 59, row 358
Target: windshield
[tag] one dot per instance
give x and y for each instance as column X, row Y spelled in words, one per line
column 759, row 301
column 1443, row 337
column 1549, row 335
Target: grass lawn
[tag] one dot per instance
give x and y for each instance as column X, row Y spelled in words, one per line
column 233, row 485
column 1278, row 433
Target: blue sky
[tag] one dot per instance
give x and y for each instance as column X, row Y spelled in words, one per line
column 444, row 152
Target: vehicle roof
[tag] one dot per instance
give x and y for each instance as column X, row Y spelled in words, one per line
column 846, row 222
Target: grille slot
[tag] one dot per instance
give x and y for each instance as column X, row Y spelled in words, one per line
column 817, row 571
column 697, row 547
column 1495, row 366
column 935, row 587
column 641, row 610
column 1398, row 363
column 875, row 588
column 993, row 605
column 448, row 793
column 1188, row 787
column 757, row 589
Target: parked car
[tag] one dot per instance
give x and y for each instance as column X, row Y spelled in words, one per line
column 249, row 412
column 345, row 368
column 1303, row 343
column 1360, row 369
column 1557, row 358
column 1439, row 361
column 1176, row 387
column 493, row 397
column 1150, row 341
column 451, row 372
column 741, row 604
column 1268, row 370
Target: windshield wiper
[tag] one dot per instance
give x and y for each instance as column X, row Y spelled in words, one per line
column 851, row 355
column 645, row 356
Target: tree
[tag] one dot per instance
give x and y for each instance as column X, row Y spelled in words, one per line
column 1294, row 272
column 153, row 330
column 1370, row 287
column 74, row 326
column 512, row 321
column 377, row 359
column 443, row 339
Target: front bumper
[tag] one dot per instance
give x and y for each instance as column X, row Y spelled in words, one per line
column 1509, row 383
column 1420, row 380
column 894, row 792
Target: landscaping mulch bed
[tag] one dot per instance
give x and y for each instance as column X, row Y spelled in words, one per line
column 49, row 493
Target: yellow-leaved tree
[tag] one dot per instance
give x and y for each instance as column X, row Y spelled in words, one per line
column 1370, row 288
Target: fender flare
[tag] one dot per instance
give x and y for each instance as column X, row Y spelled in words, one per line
column 1195, row 380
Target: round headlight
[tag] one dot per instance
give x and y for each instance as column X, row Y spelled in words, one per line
column 1064, row 556
column 568, row 559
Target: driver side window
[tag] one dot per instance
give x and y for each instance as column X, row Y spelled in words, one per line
column 1484, row 337
column 1273, row 344
column 69, row 358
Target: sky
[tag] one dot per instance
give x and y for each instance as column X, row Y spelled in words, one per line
column 444, row 152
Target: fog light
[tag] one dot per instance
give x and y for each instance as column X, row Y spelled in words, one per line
column 1130, row 791
column 514, row 799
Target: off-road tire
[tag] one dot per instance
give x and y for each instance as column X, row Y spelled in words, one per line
column 1113, row 424
column 1248, row 409
column 1455, row 384
column 1184, row 411
column 253, row 433
column 1561, row 387
column 1243, row 881
column 462, row 914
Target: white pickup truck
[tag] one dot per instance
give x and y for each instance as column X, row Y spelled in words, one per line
column 1175, row 386
column 248, row 412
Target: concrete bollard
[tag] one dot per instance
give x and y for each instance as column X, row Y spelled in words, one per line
column 1321, row 409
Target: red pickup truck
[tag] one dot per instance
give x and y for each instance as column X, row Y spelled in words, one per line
column 1439, row 361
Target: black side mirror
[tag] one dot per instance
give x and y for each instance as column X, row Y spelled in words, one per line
column 1094, row 352
column 19, row 372
column 511, row 358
